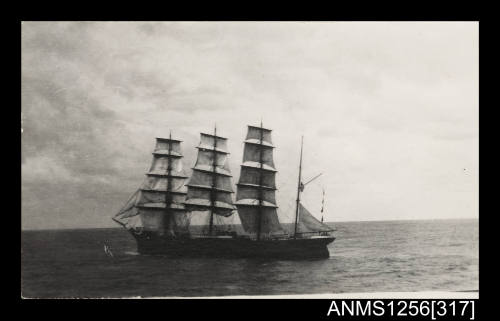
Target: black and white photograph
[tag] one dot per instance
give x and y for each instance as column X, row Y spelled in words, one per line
column 249, row 159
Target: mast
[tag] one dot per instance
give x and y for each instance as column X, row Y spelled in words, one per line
column 214, row 183
column 308, row 222
column 259, row 215
column 298, row 188
column 168, row 198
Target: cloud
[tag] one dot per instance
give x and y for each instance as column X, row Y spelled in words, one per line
column 388, row 111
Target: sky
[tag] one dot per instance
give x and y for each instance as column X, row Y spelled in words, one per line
column 388, row 111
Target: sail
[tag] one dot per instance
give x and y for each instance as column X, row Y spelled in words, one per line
column 155, row 220
column 161, row 184
column 162, row 161
column 128, row 216
column 210, row 186
column 207, row 158
column 269, row 224
column 255, row 195
column 164, row 144
column 207, row 142
column 204, row 179
column 257, row 176
column 259, row 135
column 158, row 205
column 308, row 223
column 253, row 153
column 246, row 192
column 158, row 199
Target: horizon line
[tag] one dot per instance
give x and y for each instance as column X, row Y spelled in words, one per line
column 359, row 221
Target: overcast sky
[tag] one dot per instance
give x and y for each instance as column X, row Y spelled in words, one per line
column 389, row 112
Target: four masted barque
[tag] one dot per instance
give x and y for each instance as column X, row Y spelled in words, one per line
column 160, row 214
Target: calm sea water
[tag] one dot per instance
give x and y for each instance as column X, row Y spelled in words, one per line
column 365, row 257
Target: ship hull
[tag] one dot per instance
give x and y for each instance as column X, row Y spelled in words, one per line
column 300, row 248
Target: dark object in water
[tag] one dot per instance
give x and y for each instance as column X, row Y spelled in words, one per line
column 107, row 250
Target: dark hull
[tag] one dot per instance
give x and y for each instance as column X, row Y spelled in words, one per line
column 303, row 248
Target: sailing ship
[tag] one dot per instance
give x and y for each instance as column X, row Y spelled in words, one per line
column 160, row 213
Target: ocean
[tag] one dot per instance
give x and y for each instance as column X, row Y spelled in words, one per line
column 390, row 256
